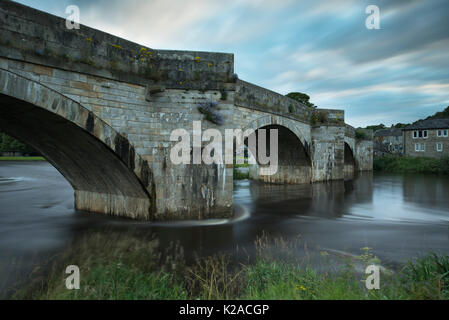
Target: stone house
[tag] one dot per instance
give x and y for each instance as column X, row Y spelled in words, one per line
column 388, row 141
column 427, row 138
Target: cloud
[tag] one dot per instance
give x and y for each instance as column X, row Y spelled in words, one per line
column 396, row 74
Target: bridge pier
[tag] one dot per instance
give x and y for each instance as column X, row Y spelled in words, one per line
column 113, row 204
column 328, row 148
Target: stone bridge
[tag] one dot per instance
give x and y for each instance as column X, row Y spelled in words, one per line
column 101, row 109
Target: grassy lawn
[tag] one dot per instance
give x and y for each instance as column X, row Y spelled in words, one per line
column 22, row 159
column 132, row 271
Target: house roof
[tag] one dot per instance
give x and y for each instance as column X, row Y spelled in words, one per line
column 388, row 132
column 429, row 124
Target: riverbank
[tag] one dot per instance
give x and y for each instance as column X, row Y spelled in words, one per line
column 137, row 272
column 241, row 171
column 22, row 159
column 395, row 164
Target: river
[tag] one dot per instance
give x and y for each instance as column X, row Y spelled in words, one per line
column 399, row 216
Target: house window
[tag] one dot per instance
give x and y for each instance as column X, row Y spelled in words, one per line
column 420, row 147
column 420, row 134
column 439, row 147
column 442, row 133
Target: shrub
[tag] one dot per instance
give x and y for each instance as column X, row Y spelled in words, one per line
column 411, row 164
column 210, row 110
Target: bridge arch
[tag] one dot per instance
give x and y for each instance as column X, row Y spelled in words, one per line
column 349, row 161
column 282, row 121
column 294, row 162
column 101, row 164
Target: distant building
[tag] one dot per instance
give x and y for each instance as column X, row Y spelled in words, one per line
column 388, row 141
column 11, row 154
column 427, row 138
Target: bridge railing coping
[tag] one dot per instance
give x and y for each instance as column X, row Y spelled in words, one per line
column 258, row 98
column 38, row 37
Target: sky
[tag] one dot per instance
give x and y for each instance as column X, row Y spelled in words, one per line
column 398, row 73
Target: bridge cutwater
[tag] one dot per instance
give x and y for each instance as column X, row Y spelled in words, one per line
column 101, row 110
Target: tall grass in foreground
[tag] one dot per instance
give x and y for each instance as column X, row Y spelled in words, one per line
column 411, row 164
column 133, row 270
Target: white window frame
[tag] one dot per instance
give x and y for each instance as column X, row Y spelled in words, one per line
column 420, row 147
column 437, row 145
column 442, row 133
column 424, row 134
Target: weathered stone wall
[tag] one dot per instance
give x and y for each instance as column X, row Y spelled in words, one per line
column 350, row 164
column 321, row 132
column 256, row 108
column 364, row 155
column 140, row 92
column 257, row 98
column 181, row 191
column 429, row 142
column 100, row 163
column 41, row 38
column 327, row 153
column 362, row 149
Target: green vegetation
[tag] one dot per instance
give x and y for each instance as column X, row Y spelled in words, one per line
column 360, row 134
column 131, row 269
column 411, row 165
column 301, row 97
column 437, row 115
column 239, row 175
column 22, row 159
column 382, row 126
column 241, row 165
column 440, row 115
column 9, row 144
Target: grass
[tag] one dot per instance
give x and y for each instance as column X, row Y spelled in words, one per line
column 132, row 270
column 411, row 165
column 22, row 159
column 238, row 175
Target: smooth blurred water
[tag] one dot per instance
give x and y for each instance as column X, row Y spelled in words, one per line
column 399, row 216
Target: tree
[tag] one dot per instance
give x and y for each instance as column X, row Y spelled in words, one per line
column 10, row 144
column 400, row 125
column 376, row 127
column 301, row 97
column 440, row 115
